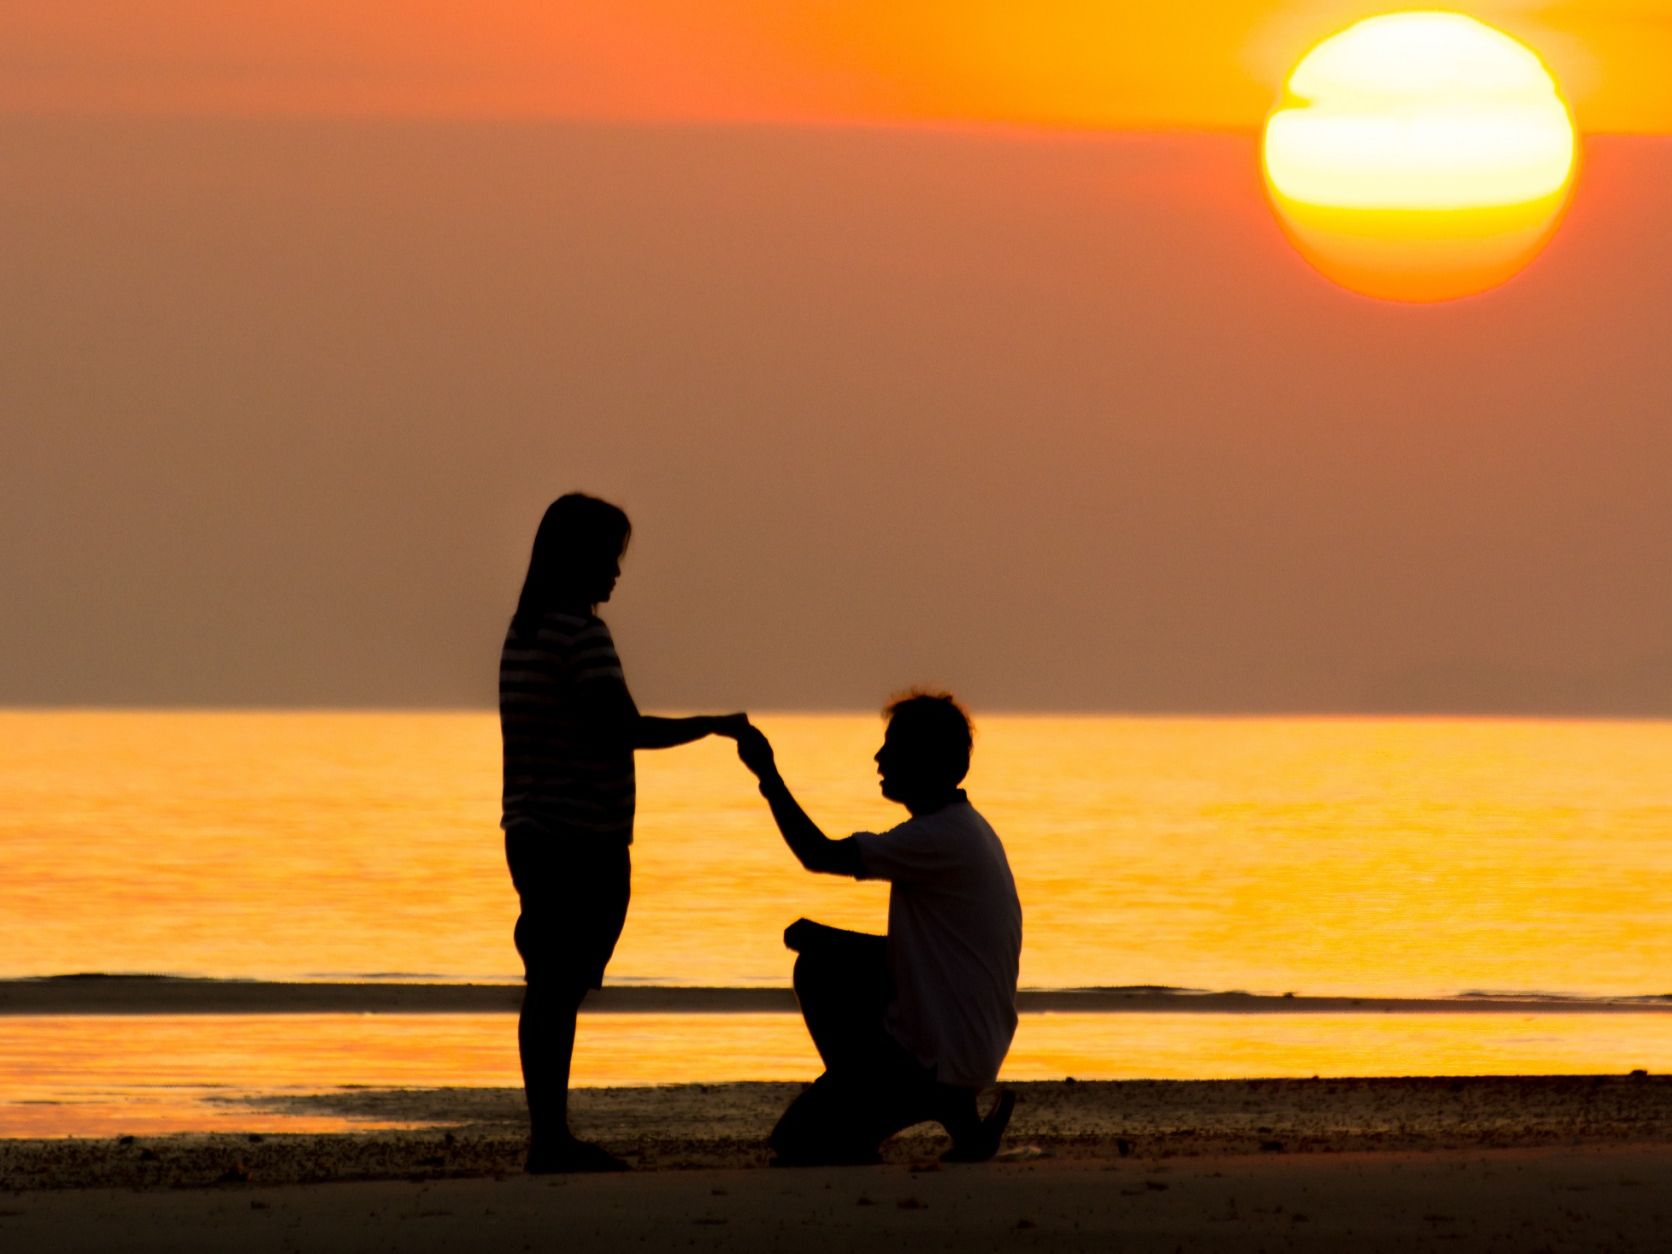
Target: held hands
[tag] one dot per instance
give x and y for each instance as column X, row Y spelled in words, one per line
column 753, row 748
column 731, row 726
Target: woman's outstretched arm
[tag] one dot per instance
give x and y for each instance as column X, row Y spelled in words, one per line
column 649, row 731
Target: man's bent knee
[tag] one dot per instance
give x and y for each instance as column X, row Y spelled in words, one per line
column 820, row 1127
column 807, row 973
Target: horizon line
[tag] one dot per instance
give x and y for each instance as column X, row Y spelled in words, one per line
column 971, row 127
column 1320, row 714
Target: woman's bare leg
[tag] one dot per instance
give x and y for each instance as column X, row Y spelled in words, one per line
column 546, row 1043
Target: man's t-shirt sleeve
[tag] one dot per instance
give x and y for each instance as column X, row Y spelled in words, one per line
column 911, row 851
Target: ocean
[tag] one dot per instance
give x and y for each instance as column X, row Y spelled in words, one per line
column 1347, row 857
column 1361, row 857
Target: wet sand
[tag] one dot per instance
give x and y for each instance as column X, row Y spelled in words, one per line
column 479, row 1132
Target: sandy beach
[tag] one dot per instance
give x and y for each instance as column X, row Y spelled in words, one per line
column 1543, row 1200
column 1532, row 1163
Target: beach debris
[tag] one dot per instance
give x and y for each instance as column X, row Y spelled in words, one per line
column 912, row 1203
column 1025, row 1224
column 1022, row 1154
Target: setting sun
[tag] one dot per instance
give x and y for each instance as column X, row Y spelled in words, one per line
column 1420, row 156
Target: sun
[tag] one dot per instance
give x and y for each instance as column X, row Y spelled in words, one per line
column 1420, row 156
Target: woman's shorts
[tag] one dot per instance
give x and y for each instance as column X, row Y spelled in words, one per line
column 574, row 893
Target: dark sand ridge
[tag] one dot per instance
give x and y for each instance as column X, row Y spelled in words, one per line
column 124, row 994
column 480, row 1132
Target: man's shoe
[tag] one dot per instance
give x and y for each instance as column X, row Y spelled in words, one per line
column 983, row 1143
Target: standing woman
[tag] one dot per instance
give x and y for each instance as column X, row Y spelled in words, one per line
column 570, row 727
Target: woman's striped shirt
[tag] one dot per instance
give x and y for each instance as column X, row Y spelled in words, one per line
column 564, row 710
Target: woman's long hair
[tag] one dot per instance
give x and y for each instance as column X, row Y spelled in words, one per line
column 577, row 535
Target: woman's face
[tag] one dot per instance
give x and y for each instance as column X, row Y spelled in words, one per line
column 597, row 577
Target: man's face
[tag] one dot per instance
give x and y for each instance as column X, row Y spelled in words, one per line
column 901, row 773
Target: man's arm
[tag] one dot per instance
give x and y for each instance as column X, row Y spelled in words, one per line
column 815, row 851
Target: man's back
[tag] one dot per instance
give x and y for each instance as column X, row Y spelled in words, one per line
column 954, row 938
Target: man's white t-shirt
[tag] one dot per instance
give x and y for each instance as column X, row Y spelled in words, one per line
column 954, row 940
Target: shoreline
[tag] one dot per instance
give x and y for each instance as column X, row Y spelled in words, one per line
column 172, row 995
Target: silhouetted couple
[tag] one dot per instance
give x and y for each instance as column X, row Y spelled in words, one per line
column 911, row 1026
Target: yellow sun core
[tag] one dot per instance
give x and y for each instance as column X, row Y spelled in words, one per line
column 1420, row 157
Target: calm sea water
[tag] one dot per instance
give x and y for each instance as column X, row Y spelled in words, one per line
column 1356, row 856
column 1360, row 857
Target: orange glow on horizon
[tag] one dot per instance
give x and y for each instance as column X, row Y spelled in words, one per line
column 1058, row 63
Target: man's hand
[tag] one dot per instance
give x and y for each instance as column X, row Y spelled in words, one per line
column 812, row 848
column 755, row 751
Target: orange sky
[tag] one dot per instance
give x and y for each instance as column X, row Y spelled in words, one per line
column 1051, row 62
column 1067, row 402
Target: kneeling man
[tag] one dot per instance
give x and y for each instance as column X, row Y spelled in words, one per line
column 911, row 1026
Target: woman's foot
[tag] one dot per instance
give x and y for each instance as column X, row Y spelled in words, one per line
column 571, row 1156
column 978, row 1144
